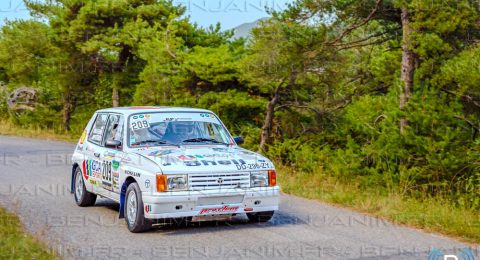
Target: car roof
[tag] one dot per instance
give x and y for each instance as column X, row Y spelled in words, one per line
column 150, row 109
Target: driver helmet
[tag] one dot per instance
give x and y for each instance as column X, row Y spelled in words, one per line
column 183, row 128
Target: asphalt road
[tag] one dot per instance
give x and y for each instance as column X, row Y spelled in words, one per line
column 34, row 183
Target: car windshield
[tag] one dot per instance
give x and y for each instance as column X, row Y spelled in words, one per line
column 159, row 129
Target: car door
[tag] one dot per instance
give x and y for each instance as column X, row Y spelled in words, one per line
column 92, row 165
column 112, row 155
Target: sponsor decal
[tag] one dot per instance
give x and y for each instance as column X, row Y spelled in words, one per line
column 223, row 150
column 196, row 156
column 84, row 170
column 115, row 165
column 115, row 176
column 134, row 174
column 253, row 166
column 247, row 153
column 186, row 158
column 171, row 119
column 148, row 208
column 238, row 162
column 136, row 117
column 109, row 154
column 147, row 184
column 207, row 115
column 93, row 182
column 154, row 153
column 84, row 135
column 161, row 153
column 224, row 209
column 92, row 168
column 138, row 122
column 107, row 185
column 107, row 171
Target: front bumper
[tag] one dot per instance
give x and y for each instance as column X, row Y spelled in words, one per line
column 210, row 202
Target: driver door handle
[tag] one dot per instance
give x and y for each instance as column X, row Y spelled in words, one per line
column 96, row 155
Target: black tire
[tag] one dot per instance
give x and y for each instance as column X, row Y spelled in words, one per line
column 83, row 198
column 134, row 215
column 260, row 217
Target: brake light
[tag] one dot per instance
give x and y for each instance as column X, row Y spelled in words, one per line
column 272, row 178
column 161, row 183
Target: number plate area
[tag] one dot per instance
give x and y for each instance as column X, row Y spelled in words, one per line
column 226, row 200
column 212, row 218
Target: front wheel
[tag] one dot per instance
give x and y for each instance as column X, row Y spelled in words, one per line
column 83, row 198
column 259, row 217
column 134, row 214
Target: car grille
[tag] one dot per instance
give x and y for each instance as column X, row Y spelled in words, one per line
column 211, row 181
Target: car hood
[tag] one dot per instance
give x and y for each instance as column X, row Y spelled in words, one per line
column 201, row 159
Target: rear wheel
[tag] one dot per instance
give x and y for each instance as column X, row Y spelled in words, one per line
column 259, row 217
column 134, row 215
column 83, row 198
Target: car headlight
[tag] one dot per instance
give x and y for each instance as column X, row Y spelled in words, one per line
column 259, row 179
column 172, row 182
column 177, row 182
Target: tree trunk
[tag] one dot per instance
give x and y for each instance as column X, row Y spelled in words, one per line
column 123, row 57
column 408, row 65
column 268, row 123
column 67, row 111
column 116, row 82
column 115, row 96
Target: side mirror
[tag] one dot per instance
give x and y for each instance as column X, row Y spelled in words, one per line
column 239, row 140
column 113, row 144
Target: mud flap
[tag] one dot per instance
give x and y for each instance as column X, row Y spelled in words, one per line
column 72, row 185
column 122, row 201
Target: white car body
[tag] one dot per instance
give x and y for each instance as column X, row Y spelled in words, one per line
column 218, row 176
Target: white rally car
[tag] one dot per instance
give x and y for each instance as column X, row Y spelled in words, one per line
column 168, row 163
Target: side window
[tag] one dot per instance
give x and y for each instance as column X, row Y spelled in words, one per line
column 114, row 128
column 219, row 132
column 96, row 134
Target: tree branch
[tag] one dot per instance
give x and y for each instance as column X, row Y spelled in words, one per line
column 316, row 110
column 356, row 26
column 475, row 128
column 466, row 98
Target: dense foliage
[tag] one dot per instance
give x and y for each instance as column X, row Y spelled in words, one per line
column 381, row 93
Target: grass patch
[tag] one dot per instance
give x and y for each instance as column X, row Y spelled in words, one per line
column 15, row 244
column 431, row 213
column 7, row 128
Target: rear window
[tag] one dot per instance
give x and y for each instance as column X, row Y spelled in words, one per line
column 98, row 128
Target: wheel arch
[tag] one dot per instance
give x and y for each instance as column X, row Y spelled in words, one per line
column 123, row 190
column 72, row 184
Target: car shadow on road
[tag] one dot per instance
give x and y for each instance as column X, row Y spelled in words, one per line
column 179, row 227
column 106, row 203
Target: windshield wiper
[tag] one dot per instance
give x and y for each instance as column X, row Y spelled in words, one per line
column 154, row 141
column 202, row 140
